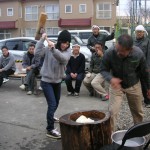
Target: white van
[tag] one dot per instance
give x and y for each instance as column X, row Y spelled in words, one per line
column 85, row 34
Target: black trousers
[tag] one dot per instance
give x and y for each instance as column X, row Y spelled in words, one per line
column 144, row 91
column 78, row 83
column 5, row 74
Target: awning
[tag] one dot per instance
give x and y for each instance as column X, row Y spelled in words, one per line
column 74, row 22
column 7, row 25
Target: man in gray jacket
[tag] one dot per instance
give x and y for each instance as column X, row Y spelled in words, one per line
column 122, row 66
column 7, row 64
column 143, row 43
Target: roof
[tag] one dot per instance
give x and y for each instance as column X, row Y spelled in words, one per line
column 74, row 22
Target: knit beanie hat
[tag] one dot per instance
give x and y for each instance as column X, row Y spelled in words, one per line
column 63, row 37
column 141, row 28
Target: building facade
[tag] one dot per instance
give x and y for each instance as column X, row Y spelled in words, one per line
column 20, row 17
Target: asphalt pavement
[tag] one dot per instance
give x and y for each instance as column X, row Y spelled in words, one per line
column 23, row 117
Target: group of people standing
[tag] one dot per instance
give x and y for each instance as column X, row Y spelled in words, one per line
column 125, row 66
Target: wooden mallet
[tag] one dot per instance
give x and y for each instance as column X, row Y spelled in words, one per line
column 41, row 25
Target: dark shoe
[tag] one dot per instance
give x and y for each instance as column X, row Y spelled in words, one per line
column 35, row 92
column 105, row 98
column 56, row 119
column 1, row 81
column 53, row 134
column 91, row 94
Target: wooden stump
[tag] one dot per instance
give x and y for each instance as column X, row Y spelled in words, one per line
column 87, row 136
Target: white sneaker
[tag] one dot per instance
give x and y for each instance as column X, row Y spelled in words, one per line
column 22, row 87
column 56, row 119
column 40, row 88
column 29, row 92
column 76, row 94
column 5, row 80
column 54, row 134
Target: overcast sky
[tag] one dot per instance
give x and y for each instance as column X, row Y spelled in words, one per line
column 123, row 8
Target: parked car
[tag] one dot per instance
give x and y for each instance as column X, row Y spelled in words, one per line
column 85, row 34
column 83, row 48
column 18, row 46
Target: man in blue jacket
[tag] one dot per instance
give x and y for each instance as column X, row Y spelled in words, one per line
column 75, row 71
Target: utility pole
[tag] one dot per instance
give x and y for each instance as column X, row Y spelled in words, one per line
column 139, row 21
column 132, row 16
column 136, row 14
column 145, row 12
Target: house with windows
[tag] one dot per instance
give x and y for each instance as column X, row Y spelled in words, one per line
column 20, row 17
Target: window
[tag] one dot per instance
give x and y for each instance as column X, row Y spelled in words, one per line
column 52, row 31
column 9, row 11
column 105, row 28
column 13, row 45
column 31, row 13
column 26, row 43
column 68, row 8
column 103, row 11
column 52, row 11
column 30, row 32
column 4, row 34
column 85, row 35
column 20, row 12
column 0, row 12
column 82, row 8
column 1, row 44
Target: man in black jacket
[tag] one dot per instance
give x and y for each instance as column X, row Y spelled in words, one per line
column 122, row 66
column 143, row 43
column 75, row 71
column 98, row 37
column 30, row 64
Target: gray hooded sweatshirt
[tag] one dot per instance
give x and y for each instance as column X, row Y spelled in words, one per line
column 7, row 62
column 54, row 64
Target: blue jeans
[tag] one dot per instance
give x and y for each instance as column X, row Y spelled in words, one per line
column 78, row 83
column 52, row 93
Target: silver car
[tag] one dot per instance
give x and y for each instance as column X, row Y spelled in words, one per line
column 18, row 46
